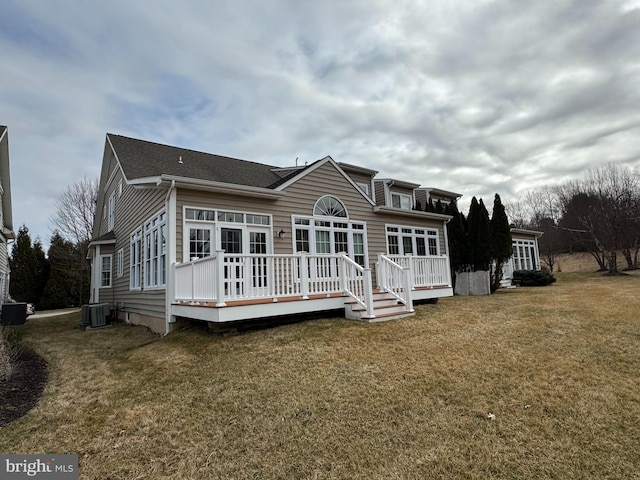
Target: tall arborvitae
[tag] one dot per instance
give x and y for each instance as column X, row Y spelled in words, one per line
column 478, row 236
column 25, row 271
column 457, row 239
column 501, row 244
column 63, row 285
column 42, row 269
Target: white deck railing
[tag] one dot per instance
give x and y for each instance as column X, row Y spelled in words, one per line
column 427, row 271
column 223, row 277
column 395, row 279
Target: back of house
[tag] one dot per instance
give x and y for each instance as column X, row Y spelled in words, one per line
column 182, row 234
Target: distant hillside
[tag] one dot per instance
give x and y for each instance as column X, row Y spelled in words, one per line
column 581, row 262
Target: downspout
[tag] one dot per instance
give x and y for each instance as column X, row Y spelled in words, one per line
column 446, row 236
column 446, row 246
column 170, row 209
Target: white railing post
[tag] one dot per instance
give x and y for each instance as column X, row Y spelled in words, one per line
column 220, row 278
column 411, row 283
column 304, row 275
column 368, row 292
column 342, row 271
column 408, row 285
column 380, row 271
column 193, row 282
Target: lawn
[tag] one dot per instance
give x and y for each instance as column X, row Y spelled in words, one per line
column 557, row 367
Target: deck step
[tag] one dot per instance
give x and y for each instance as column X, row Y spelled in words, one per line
column 385, row 307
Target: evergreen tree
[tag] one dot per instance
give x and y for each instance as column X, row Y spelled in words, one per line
column 457, row 239
column 430, row 206
column 63, row 285
column 418, row 206
column 479, row 236
column 25, row 271
column 501, row 244
column 42, row 269
column 439, row 207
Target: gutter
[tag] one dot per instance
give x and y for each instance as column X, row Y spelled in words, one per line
column 198, row 184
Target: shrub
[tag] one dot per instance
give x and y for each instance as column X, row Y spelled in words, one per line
column 9, row 351
column 533, row 278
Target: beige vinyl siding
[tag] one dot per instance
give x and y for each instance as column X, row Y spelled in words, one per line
column 421, row 197
column 379, row 191
column 132, row 210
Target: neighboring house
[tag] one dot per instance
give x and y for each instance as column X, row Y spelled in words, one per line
column 181, row 234
column 6, row 217
column 526, row 255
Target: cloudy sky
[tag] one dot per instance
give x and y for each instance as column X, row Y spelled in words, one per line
column 472, row 96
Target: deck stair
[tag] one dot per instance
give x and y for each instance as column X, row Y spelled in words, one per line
column 385, row 307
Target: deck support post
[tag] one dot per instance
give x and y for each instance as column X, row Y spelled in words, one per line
column 220, row 278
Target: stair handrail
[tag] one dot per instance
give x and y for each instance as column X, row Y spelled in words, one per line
column 357, row 283
column 395, row 280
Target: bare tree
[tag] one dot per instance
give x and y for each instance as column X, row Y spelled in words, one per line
column 75, row 209
column 605, row 206
column 73, row 222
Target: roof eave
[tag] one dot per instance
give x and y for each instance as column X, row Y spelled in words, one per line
column 221, row 187
column 524, row 231
column 412, row 213
column 439, row 191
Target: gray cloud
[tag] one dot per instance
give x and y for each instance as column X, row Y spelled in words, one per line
column 475, row 97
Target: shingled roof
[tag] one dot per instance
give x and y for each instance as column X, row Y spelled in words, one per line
column 143, row 159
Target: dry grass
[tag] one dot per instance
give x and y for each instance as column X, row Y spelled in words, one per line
column 582, row 262
column 9, row 352
column 557, row 366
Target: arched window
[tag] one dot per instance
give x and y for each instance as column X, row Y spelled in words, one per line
column 329, row 206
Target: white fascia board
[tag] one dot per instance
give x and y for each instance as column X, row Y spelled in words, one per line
column 319, row 164
column 523, row 231
column 439, row 191
column 230, row 188
column 392, row 182
column 413, row 213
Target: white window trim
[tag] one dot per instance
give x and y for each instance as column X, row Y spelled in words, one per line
column 154, row 264
column 312, row 229
column 215, row 225
column 120, row 263
column 413, row 236
column 522, row 262
column 135, row 238
column 402, row 196
column 111, row 220
column 102, row 271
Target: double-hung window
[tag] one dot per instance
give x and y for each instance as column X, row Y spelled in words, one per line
column 404, row 240
column 112, row 212
column 155, row 251
column 401, row 200
column 135, row 278
column 105, row 271
column 120, row 262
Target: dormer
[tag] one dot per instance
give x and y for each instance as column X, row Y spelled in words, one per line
column 395, row 193
column 363, row 177
column 445, row 197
